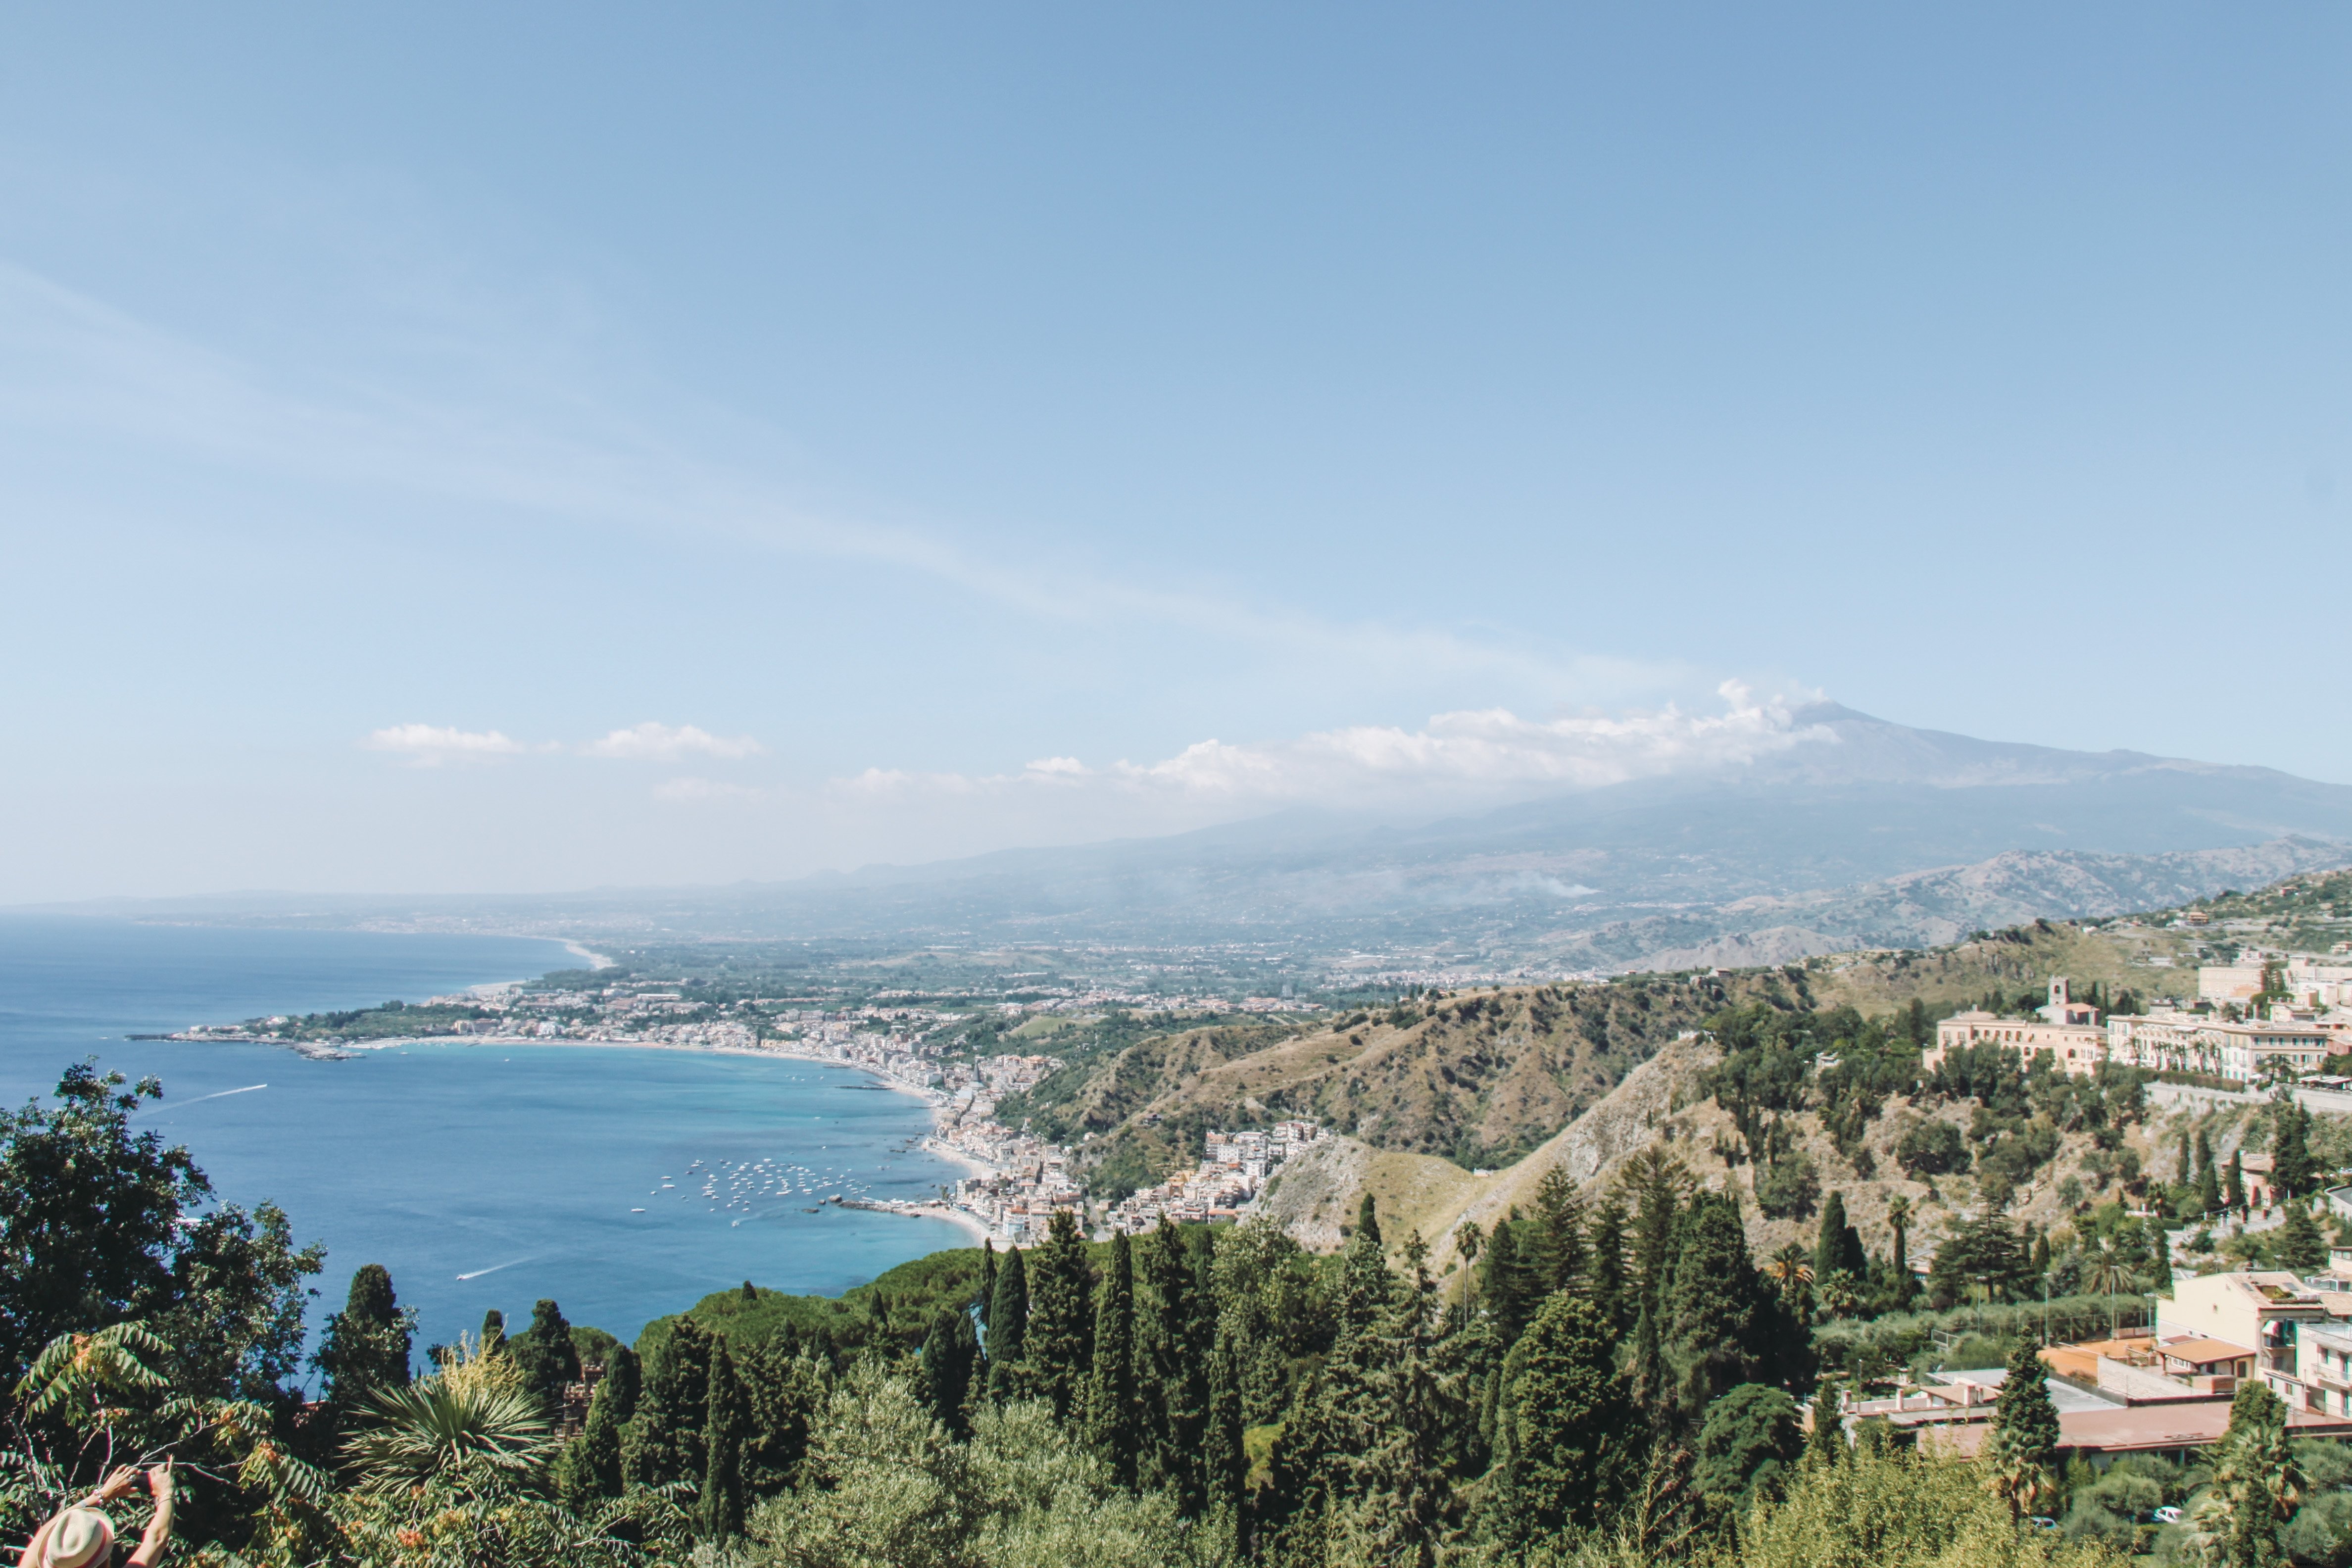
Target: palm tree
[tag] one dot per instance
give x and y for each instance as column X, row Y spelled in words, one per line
column 1467, row 1239
column 471, row 1418
column 2110, row 1271
column 1792, row 1268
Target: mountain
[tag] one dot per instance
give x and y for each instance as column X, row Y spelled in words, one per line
column 1855, row 832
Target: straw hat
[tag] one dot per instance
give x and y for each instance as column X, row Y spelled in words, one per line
column 80, row 1537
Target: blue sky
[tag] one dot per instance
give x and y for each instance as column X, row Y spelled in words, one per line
column 403, row 408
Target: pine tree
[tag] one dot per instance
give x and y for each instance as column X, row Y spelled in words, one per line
column 1658, row 1183
column 366, row 1345
column 1008, row 1324
column 1605, row 1255
column 1719, row 1329
column 2022, row 1447
column 2300, row 1246
column 1573, row 1431
column 1390, row 1469
column 1112, row 1419
column 663, row 1444
column 721, row 1502
column 545, row 1355
column 1509, row 1289
column 1558, row 1253
column 1057, row 1342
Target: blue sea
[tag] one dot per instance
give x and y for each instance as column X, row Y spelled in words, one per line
column 624, row 1183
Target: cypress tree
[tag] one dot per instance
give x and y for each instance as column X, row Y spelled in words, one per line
column 1839, row 1245
column 366, row 1345
column 1111, row 1388
column 494, row 1331
column 2209, row 1180
column 621, row 1380
column 721, row 1503
column 1572, row 1430
column 2291, row 1167
column 1171, row 1375
column 949, row 1349
column 545, row 1354
column 1826, row 1442
column 781, row 1391
column 1368, row 1222
column 1008, row 1324
column 591, row 1467
column 663, row 1444
column 1225, row 1460
column 2233, row 1190
column 1899, row 1276
column 2022, row 1447
column 1057, row 1343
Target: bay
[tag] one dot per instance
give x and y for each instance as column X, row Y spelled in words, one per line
column 482, row 1175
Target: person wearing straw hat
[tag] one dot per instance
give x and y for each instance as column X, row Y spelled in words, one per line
column 81, row 1537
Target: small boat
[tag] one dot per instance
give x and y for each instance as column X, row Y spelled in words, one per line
column 636, row 1210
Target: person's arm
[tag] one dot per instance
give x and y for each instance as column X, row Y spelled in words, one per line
column 117, row 1485
column 158, row 1529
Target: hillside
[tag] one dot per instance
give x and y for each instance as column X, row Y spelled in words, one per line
column 1486, row 1077
column 1454, row 1108
column 1477, row 1079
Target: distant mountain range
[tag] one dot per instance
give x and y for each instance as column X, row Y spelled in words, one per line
column 1868, row 834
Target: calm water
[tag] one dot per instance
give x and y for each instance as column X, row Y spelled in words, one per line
column 482, row 1175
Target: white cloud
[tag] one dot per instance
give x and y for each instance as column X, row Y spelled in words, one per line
column 686, row 791
column 660, row 744
column 1468, row 756
column 429, row 745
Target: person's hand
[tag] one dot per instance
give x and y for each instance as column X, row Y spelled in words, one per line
column 159, row 1482
column 121, row 1483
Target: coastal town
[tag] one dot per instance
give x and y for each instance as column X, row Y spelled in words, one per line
column 1017, row 1181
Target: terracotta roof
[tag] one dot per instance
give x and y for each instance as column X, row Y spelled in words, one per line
column 2203, row 1351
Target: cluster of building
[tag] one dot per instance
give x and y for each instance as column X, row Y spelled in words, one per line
column 2167, row 1388
column 2227, row 1033
column 1233, row 1171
